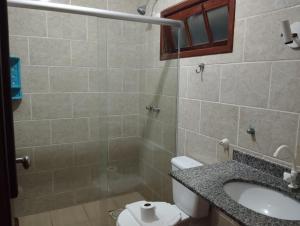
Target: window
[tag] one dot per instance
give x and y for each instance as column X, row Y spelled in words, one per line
column 208, row 28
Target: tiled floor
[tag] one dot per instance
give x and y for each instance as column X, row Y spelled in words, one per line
column 88, row 214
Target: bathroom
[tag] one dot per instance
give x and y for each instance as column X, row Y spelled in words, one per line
column 115, row 114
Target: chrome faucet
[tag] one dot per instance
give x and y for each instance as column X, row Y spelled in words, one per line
column 291, row 178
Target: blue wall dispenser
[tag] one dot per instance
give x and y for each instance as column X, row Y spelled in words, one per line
column 15, row 73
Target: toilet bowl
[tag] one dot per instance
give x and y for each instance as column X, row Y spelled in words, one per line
column 188, row 206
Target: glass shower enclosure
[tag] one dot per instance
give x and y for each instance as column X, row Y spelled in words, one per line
column 97, row 118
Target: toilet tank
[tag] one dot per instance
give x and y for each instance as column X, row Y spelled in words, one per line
column 186, row 200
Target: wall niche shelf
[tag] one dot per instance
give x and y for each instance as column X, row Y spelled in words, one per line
column 15, row 75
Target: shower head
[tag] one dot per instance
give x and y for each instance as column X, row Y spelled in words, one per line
column 142, row 9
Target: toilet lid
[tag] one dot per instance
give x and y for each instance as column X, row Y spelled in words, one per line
column 165, row 215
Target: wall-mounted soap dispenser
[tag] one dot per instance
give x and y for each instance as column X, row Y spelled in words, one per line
column 291, row 34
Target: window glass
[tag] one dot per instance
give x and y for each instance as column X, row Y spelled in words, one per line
column 218, row 21
column 197, row 29
column 182, row 40
column 209, row 29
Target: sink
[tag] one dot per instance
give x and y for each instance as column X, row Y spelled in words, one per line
column 263, row 200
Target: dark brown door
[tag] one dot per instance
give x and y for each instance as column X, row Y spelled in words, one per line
column 8, row 181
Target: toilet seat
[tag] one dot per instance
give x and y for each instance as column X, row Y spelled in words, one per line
column 165, row 212
column 126, row 219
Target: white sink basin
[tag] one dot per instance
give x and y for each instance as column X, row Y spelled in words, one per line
column 264, row 200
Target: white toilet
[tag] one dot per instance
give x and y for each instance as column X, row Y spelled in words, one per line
column 187, row 205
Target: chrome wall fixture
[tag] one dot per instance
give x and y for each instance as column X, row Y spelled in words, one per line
column 200, row 70
column 25, row 161
column 291, row 34
column 151, row 108
column 64, row 8
column 143, row 8
column 251, row 130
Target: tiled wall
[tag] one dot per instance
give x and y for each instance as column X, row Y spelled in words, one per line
column 82, row 120
column 59, row 121
column 258, row 85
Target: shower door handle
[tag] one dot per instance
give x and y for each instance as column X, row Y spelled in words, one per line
column 25, row 161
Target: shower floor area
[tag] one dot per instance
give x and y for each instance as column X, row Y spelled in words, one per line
column 97, row 213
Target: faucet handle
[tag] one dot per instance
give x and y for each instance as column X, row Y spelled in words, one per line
column 291, row 178
column 149, row 107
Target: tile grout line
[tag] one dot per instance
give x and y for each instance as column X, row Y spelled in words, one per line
column 89, row 80
column 106, row 68
column 297, row 138
column 82, row 117
column 28, row 53
column 47, row 27
column 51, row 134
column 244, row 39
column 238, row 126
column 85, row 212
column 184, row 141
column 187, row 83
column 87, row 28
column 220, row 82
column 200, row 116
column 204, row 135
column 49, row 81
column 270, row 86
column 186, row 77
column 244, row 106
column 71, row 53
column 271, row 12
column 51, row 38
column 30, row 103
column 156, row 67
column 245, row 62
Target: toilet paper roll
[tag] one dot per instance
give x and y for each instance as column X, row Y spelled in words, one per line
column 148, row 212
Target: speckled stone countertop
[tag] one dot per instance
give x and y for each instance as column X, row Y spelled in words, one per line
column 207, row 182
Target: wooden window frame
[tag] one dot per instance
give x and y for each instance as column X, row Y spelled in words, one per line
column 182, row 11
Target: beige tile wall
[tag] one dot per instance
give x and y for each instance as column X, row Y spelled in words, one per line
column 257, row 84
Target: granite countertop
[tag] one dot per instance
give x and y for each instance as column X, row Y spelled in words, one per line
column 207, row 181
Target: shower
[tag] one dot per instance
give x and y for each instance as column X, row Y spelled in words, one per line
column 143, row 8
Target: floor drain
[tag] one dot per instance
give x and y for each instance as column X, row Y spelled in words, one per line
column 115, row 213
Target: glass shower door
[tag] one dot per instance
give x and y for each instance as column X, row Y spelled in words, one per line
column 97, row 118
